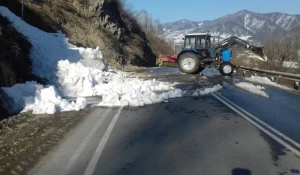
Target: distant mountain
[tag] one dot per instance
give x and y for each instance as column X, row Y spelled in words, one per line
column 244, row 24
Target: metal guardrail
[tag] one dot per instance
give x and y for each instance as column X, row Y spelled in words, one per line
column 288, row 76
column 281, row 74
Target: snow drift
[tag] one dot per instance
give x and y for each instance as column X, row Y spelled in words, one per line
column 49, row 48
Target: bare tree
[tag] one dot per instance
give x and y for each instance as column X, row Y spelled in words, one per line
column 157, row 27
column 147, row 23
column 142, row 18
column 281, row 51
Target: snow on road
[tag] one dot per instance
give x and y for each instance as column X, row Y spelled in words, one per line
column 204, row 91
column 267, row 81
column 252, row 88
column 76, row 72
column 39, row 99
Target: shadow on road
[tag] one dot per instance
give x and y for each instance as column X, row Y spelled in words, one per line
column 240, row 171
column 166, row 138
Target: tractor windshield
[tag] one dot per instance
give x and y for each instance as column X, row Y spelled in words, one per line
column 190, row 42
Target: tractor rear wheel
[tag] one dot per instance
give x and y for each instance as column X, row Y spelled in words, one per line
column 189, row 63
column 226, row 69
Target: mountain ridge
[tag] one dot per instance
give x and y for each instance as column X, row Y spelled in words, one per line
column 244, row 24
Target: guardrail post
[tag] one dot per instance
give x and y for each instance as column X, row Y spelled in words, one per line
column 296, row 85
column 279, row 77
column 273, row 78
column 22, row 10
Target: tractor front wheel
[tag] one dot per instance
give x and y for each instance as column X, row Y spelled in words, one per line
column 189, row 63
column 226, row 69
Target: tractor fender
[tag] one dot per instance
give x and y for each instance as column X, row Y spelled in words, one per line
column 226, row 56
column 187, row 50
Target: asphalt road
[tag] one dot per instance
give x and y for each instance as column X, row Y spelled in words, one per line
column 281, row 110
column 189, row 135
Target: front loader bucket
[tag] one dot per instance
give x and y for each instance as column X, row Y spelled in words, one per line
column 258, row 53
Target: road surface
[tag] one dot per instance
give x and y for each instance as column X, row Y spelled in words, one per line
column 229, row 132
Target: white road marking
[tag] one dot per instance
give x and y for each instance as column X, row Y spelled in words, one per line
column 258, row 126
column 255, row 118
column 261, row 122
column 92, row 164
column 84, row 143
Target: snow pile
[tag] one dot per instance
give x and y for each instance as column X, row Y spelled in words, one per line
column 139, row 98
column 39, row 99
column 48, row 49
column 265, row 80
column 204, row 91
column 74, row 79
column 78, row 81
column 252, row 88
column 135, row 92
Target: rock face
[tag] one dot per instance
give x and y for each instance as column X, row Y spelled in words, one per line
column 14, row 59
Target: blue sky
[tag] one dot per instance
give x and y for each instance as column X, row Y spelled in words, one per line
column 198, row 10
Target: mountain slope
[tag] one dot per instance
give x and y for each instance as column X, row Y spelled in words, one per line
column 244, row 24
column 181, row 25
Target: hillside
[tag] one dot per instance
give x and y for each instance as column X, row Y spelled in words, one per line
column 103, row 23
column 244, row 24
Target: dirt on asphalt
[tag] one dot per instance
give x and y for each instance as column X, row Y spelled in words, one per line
column 26, row 138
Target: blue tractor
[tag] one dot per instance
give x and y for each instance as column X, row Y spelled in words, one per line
column 199, row 52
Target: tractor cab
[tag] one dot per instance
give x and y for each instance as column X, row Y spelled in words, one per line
column 197, row 41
